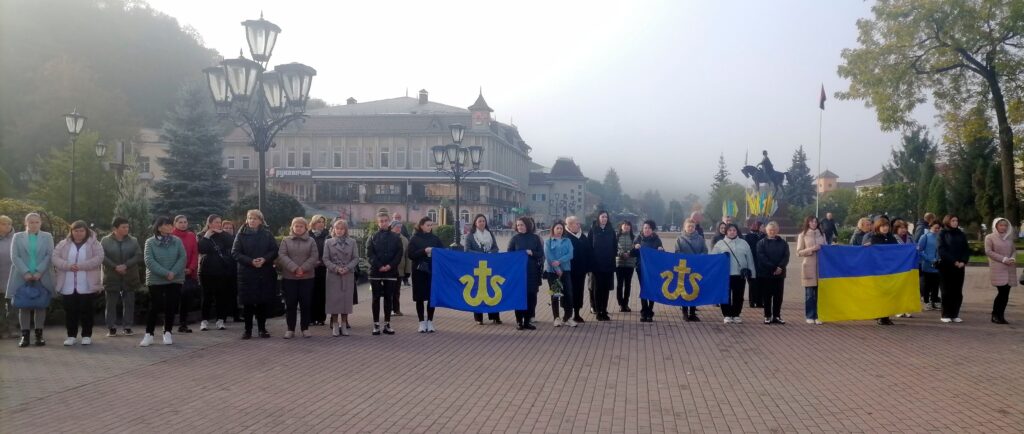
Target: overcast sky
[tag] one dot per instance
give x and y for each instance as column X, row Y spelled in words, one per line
column 656, row 89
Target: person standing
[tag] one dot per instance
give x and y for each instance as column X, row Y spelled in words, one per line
column 881, row 233
column 690, row 243
column 341, row 259
column 923, row 226
column 928, row 246
column 121, row 258
column 647, row 238
column 78, row 259
column 297, row 258
column 482, row 240
column 625, row 264
column 697, row 218
column 216, row 273
column 191, row 285
column 829, row 228
column 421, row 247
column 165, row 260
column 756, row 285
column 7, row 313
column 236, row 310
column 31, row 257
column 602, row 264
column 384, row 252
column 403, row 268
column 719, row 233
column 741, row 266
column 580, row 265
column 404, row 231
column 772, row 260
column 1002, row 265
column 526, row 240
column 558, row 253
column 808, row 244
column 319, row 233
column 863, row 228
column 953, row 255
column 254, row 251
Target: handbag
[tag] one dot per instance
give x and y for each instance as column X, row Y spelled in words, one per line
column 744, row 271
column 423, row 266
column 32, row 296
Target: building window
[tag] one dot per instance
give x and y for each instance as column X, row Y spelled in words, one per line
column 275, row 159
column 371, row 155
column 143, row 163
column 245, row 162
column 323, row 159
column 353, row 156
column 464, row 216
column 543, row 197
column 291, row 158
column 400, row 156
column 337, row 157
column 417, row 156
column 230, row 162
column 432, row 213
column 307, row 157
column 385, row 156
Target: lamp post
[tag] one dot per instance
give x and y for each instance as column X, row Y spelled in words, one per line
column 261, row 102
column 119, row 166
column 455, row 156
column 74, row 122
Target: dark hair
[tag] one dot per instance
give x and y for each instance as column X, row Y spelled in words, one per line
column 807, row 224
column 210, row 220
column 118, row 221
column 160, row 221
column 732, row 225
column 472, row 227
column 528, row 222
column 558, row 223
column 597, row 220
column 618, row 233
column 419, row 225
column 935, row 222
column 652, row 224
column 79, row 224
column 720, row 224
column 948, row 219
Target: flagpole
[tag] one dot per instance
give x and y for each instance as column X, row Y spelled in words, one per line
column 817, row 187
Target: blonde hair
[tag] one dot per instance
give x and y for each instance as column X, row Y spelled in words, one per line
column 772, row 223
column 864, row 221
column 5, row 219
column 316, row 218
column 339, row 222
column 296, row 221
column 257, row 213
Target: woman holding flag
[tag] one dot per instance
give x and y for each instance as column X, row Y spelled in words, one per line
column 481, row 240
column 1002, row 265
column 527, row 241
column 691, row 243
column 741, row 266
column 647, row 238
column 558, row 251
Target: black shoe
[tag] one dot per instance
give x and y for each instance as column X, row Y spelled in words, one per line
column 693, row 318
column 247, row 335
column 519, row 326
column 397, row 313
column 39, row 338
column 496, row 322
column 387, row 329
column 578, row 319
column 885, row 321
column 264, row 334
column 603, row 317
column 999, row 320
column 778, row 320
column 529, row 326
column 625, row 309
column 184, row 329
column 25, row 341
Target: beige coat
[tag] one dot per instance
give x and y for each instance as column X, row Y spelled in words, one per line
column 297, row 252
column 997, row 248
column 807, row 245
column 90, row 266
column 340, row 253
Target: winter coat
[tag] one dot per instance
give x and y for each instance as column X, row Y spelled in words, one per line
column 215, row 255
column 384, row 248
column 89, row 260
column 558, row 249
column 255, row 285
column 404, row 266
column 191, row 244
column 581, row 251
column 740, row 256
column 653, row 241
column 534, row 263
column 20, row 262
column 928, row 246
column 125, row 252
column 691, row 244
column 625, row 255
column 772, row 253
column 603, row 249
column 340, row 252
column 162, row 258
column 857, row 239
column 473, row 246
column 873, row 238
column 952, row 247
column 320, row 238
column 417, row 251
column 805, row 248
column 297, row 252
column 829, row 228
column 5, row 258
column 920, row 228
column 997, row 248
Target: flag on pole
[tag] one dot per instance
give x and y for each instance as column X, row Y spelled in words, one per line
column 821, row 101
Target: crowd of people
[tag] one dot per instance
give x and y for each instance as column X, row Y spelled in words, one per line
column 318, row 261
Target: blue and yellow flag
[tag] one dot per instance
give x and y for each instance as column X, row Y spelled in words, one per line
column 684, row 280
column 871, row 282
column 478, row 282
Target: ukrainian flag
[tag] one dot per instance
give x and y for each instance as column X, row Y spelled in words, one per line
column 857, row 283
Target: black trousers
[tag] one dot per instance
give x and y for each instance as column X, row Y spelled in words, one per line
column 579, row 283
column 259, row 311
column 646, row 306
column 735, row 305
column 382, row 289
column 930, row 287
column 297, row 292
column 162, row 299
column 952, row 290
column 318, row 304
column 566, row 300
column 218, row 300
column 756, row 291
column 478, row 317
column 523, row 316
column 998, row 305
column 396, row 298
column 603, row 282
column 772, row 290
column 624, row 283
column 185, row 300
column 429, row 309
column 79, row 311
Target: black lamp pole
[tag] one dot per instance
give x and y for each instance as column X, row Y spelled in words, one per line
column 455, row 155
column 74, row 123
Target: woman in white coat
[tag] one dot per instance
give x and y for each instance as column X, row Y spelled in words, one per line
column 741, row 266
column 78, row 259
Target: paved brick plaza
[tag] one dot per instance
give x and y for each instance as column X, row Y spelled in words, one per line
column 620, row 376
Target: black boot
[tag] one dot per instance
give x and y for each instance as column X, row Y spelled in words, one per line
column 24, row 339
column 39, row 338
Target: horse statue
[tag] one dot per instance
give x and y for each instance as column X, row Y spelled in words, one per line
column 775, row 178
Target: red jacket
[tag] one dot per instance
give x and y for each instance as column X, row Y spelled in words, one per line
column 191, row 252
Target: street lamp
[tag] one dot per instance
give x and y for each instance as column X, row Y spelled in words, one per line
column 119, row 166
column 74, row 122
column 262, row 102
column 455, row 155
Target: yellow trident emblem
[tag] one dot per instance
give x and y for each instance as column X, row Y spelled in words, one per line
column 681, row 271
column 483, row 279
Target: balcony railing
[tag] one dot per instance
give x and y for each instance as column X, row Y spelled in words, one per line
column 385, row 198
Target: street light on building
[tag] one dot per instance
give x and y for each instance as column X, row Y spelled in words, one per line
column 74, row 122
column 455, row 156
column 261, row 102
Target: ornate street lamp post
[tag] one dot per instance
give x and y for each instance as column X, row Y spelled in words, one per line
column 455, row 156
column 261, row 102
column 74, row 123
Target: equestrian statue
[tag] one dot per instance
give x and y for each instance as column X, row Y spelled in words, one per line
column 765, row 173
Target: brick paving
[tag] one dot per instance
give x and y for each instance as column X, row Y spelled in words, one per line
column 618, row 376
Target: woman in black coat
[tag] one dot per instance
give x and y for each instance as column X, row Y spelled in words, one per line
column 953, row 256
column 319, row 233
column 604, row 249
column 421, row 248
column 647, row 238
column 526, row 240
column 772, row 258
column 255, row 250
column 216, row 272
column 881, row 233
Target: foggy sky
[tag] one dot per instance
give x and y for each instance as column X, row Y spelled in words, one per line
column 656, row 89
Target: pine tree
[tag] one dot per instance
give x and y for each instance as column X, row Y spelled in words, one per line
column 94, row 186
column 612, row 190
column 937, row 197
column 721, row 176
column 132, row 202
column 194, row 183
column 800, row 187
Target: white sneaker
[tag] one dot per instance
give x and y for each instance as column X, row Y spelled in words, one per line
column 69, row 342
column 147, row 340
column 945, row 320
column 809, row 321
column 343, row 331
column 204, row 326
column 220, row 325
column 900, row 315
column 430, row 326
column 908, row 315
column 86, row 341
column 289, row 334
column 571, row 322
column 335, row 330
column 737, row 320
column 957, row 319
column 727, row 320
column 558, row 322
column 423, row 327
column 818, row 322
column 167, row 338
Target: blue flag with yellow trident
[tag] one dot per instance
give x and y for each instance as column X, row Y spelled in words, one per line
column 684, row 280
column 478, row 282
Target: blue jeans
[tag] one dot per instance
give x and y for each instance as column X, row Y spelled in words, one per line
column 811, row 302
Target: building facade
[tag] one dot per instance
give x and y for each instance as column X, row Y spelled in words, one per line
column 557, row 193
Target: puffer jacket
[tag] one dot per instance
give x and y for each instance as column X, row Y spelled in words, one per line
column 625, row 256
column 928, row 246
column 162, row 256
column 997, row 248
column 90, row 265
column 691, row 244
column 952, row 247
column 384, row 248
